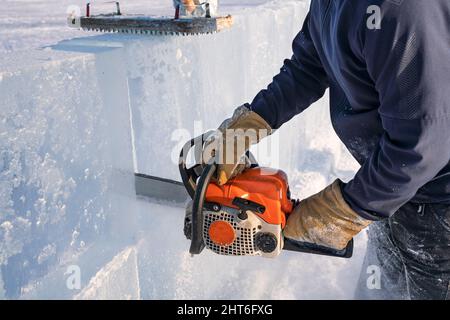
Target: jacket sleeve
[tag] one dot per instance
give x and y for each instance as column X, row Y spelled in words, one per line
column 301, row 81
column 408, row 62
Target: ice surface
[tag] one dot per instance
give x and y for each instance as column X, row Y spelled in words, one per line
column 78, row 117
column 119, row 279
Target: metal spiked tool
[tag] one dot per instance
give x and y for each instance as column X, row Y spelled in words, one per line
column 141, row 24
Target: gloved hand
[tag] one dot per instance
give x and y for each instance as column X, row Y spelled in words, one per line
column 235, row 136
column 325, row 219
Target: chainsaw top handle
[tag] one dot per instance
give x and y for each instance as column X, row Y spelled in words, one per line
column 189, row 176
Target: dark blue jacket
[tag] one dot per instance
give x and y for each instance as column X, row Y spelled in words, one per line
column 389, row 91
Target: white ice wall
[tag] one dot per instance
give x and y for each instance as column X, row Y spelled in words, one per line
column 65, row 143
column 77, row 119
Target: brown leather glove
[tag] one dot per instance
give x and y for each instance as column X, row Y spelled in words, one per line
column 325, row 219
column 235, row 137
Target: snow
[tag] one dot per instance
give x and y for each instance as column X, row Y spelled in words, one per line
column 79, row 113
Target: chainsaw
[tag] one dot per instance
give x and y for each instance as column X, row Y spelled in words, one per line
column 244, row 217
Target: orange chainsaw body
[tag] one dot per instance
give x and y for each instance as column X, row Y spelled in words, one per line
column 264, row 186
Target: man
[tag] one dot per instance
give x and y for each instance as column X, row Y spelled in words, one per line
column 390, row 105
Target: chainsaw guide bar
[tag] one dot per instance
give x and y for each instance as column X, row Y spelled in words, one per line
column 160, row 189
